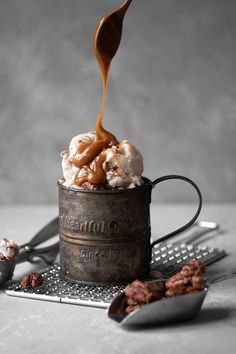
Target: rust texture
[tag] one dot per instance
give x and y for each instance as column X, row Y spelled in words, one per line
column 105, row 234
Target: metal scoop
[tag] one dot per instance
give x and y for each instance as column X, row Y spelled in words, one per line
column 165, row 311
column 29, row 253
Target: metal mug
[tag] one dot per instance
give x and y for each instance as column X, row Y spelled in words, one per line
column 105, row 234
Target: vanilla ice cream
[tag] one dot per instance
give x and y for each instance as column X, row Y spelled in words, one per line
column 70, row 171
column 122, row 164
column 8, row 250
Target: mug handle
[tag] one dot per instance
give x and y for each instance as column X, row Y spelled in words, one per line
column 182, row 228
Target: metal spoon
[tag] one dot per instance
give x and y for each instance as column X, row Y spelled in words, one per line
column 108, row 35
column 29, row 253
column 171, row 310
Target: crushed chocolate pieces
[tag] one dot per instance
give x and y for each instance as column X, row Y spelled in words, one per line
column 31, row 280
column 139, row 293
column 189, row 280
column 193, row 268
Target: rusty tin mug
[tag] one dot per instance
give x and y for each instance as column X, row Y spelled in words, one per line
column 105, row 234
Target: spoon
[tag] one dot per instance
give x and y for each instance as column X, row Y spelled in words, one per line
column 165, row 311
column 108, row 35
column 29, row 253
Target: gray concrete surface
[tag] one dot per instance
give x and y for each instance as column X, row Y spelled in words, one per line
column 30, row 326
column 172, row 91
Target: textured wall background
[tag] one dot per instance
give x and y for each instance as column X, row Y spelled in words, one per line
column 172, row 91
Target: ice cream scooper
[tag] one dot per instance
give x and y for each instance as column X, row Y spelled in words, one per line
column 165, row 311
column 29, row 253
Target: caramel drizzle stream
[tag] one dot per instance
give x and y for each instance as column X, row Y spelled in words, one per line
column 106, row 41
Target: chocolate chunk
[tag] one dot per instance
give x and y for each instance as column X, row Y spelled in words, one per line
column 31, row 280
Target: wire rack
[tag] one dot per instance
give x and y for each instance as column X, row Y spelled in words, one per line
column 166, row 258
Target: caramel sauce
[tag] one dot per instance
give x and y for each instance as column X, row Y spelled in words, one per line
column 106, row 41
column 87, row 152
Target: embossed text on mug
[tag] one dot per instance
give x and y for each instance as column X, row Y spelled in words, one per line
column 101, row 253
column 93, row 226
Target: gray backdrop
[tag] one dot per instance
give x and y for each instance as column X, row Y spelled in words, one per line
column 172, row 92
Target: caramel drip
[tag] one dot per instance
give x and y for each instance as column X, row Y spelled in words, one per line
column 106, row 41
column 98, row 176
column 94, row 176
column 105, row 44
column 86, row 155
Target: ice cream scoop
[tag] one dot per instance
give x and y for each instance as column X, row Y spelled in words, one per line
column 9, row 250
column 70, row 170
column 28, row 252
column 122, row 164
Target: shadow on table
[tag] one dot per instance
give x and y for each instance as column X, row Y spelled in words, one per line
column 205, row 316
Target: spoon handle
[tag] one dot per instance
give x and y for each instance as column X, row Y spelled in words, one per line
column 48, row 231
column 29, row 253
column 47, row 254
column 196, row 234
column 221, row 276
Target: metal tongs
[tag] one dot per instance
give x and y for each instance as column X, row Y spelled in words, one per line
column 165, row 311
column 29, row 252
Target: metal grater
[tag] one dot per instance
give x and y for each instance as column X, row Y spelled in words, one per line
column 166, row 258
column 169, row 259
